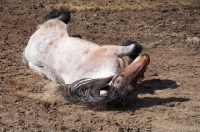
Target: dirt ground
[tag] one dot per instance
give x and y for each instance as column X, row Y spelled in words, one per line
column 167, row 100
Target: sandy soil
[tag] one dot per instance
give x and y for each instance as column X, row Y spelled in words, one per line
column 167, row 100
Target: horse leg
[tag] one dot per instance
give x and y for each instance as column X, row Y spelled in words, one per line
column 133, row 49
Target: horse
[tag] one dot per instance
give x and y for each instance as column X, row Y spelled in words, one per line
column 87, row 71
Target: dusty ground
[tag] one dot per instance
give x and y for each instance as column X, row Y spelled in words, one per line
column 167, row 100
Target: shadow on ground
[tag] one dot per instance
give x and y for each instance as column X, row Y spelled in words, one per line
column 149, row 87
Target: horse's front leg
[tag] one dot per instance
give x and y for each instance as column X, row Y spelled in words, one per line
column 128, row 48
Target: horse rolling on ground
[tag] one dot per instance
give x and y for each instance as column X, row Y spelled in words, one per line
column 88, row 72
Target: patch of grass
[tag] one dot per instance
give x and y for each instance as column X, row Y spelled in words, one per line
column 119, row 5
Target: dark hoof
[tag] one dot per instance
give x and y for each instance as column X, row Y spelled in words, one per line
column 62, row 14
column 136, row 50
column 77, row 36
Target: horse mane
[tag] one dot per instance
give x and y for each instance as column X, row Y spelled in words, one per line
column 88, row 91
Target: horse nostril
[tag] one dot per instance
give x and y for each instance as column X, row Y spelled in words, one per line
column 145, row 55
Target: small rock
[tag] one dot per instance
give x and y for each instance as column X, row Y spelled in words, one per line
column 153, row 74
column 196, row 40
column 193, row 40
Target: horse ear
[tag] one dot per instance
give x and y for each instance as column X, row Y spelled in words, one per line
column 87, row 90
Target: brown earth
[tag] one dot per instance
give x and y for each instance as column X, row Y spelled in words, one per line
column 167, row 100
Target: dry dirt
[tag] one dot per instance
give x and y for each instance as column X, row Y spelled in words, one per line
column 167, row 100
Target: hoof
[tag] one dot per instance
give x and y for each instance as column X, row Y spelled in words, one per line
column 136, row 50
column 62, row 14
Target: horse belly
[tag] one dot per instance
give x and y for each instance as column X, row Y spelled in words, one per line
column 69, row 59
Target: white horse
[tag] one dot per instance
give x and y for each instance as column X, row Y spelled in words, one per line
column 90, row 73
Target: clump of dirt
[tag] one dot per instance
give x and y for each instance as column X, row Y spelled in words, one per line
column 166, row 100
